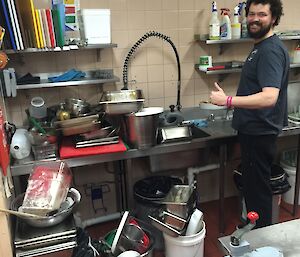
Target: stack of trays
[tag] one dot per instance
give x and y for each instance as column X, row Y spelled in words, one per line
column 179, row 204
column 30, row 241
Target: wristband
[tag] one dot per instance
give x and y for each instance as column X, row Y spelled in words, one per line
column 229, row 101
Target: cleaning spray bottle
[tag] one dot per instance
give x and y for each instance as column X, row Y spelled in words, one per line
column 244, row 30
column 236, row 25
column 214, row 23
column 225, row 27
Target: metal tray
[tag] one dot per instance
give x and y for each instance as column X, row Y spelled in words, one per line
column 174, row 221
column 76, row 121
column 159, row 224
column 181, row 200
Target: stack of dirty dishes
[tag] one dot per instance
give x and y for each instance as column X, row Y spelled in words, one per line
column 181, row 222
column 130, row 239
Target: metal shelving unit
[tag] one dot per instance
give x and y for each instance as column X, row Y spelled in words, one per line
column 84, row 81
column 61, row 49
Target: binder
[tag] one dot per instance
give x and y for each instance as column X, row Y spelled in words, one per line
column 13, row 23
column 17, row 24
column 8, row 25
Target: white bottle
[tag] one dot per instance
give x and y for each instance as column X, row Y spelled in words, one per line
column 195, row 224
column 244, row 29
column 214, row 23
column 225, row 27
column 236, row 25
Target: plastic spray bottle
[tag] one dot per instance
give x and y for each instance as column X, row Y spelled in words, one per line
column 244, row 30
column 214, row 23
column 236, row 25
column 225, row 27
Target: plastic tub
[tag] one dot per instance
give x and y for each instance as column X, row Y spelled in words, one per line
column 187, row 246
column 288, row 197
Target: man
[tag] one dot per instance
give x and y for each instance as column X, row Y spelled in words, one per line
column 260, row 105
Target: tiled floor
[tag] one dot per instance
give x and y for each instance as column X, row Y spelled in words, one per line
column 210, row 210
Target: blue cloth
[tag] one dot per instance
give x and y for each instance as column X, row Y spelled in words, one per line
column 67, row 76
column 200, row 123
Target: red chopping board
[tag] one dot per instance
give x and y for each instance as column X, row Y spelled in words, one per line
column 68, row 150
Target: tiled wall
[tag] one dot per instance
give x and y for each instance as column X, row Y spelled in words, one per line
column 153, row 67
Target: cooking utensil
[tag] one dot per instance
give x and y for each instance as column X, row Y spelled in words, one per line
column 76, row 121
column 122, row 101
column 174, row 133
column 76, row 107
column 73, row 198
column 181, row 200
column 21, row 214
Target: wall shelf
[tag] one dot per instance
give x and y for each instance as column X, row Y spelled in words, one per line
column 61, row 49
column 84, row 81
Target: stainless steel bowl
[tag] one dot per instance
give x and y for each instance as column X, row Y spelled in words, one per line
column 77, row 107
column 73, row 198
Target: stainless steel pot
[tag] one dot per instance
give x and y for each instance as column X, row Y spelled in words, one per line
column 77, row 107
column 142, row 127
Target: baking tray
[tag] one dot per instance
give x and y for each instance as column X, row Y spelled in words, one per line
column 76, row 121
column 181, row 200
column 97, row 142
column 159, row 223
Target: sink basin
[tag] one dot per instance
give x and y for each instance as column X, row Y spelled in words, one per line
column 220, row 127
column 198, row 132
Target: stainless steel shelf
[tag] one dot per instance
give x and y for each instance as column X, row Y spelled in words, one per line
column 85, row 81
column 240, row 40
column 61, row 49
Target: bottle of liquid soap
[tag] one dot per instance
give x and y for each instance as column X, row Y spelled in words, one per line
column 244, row 30
column 225, row 27
column 214, row 23
column 236, row 25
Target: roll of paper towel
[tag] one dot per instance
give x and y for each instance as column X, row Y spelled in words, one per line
column 20, row 147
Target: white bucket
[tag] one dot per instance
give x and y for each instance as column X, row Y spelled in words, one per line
column 187, row 246
column 288, row 197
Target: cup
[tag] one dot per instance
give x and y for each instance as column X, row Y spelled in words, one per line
column 205, row 61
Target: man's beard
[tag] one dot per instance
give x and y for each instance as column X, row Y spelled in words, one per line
column 259, row 33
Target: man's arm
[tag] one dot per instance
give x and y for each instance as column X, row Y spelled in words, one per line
column 267, row 98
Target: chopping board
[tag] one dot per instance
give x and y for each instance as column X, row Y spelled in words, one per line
column 68, row 150
column 4, row 148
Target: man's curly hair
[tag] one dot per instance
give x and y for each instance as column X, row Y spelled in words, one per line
column 275, row 7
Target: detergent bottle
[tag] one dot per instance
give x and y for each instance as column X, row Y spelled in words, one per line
column 244, row 30
column 236, row 25
column 225, row 27
column 214, row 23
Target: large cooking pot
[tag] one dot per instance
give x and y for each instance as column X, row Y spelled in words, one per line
column 142, row 127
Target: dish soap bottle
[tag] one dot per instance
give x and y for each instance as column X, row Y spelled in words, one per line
column 236, row 25
column 214, row 23
column 244, row 29
column 225, row 27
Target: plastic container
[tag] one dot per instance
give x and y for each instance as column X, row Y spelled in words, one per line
column 225, row 27
column 288, row 163
column 236, row 25
column 214, row 23
column 38, row 108
column 187, row 246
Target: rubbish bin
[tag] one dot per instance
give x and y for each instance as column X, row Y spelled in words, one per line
column 279, row 185
column 147, row 193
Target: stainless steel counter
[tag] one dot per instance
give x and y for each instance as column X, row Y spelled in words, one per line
column 284, row 236
column 220, row 135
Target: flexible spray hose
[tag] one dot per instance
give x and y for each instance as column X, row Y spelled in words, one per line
column 136, row 46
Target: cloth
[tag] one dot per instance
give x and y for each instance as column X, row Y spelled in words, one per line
column 267, row 65
column 258, row 153
column 28, row 79
column 67, row 76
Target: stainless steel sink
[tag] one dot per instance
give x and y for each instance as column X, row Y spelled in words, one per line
column 220, row 127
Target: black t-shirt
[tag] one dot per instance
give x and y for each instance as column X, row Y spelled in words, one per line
column 266, row 66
